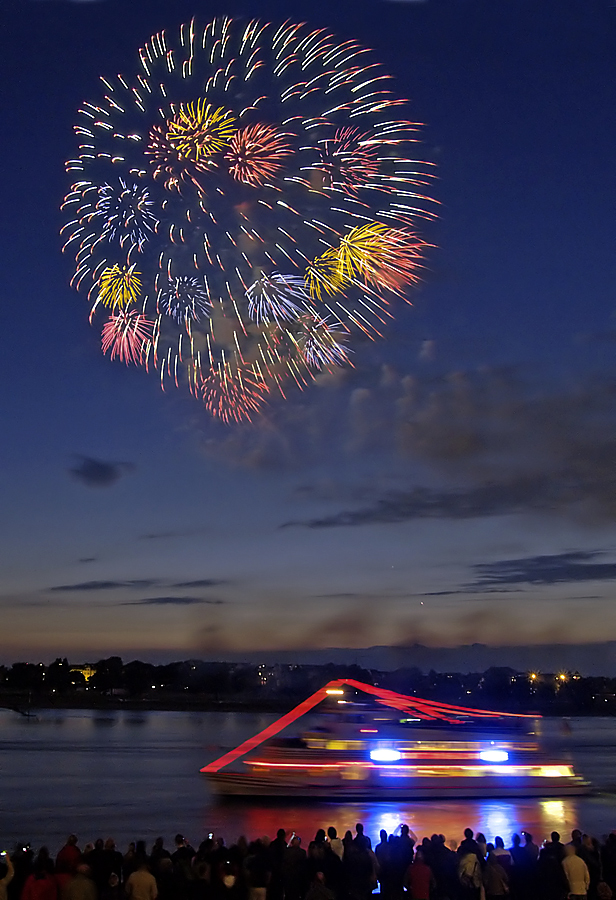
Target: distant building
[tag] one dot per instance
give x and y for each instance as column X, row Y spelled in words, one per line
column 86, row 670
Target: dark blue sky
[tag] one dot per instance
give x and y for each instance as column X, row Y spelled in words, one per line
column 458, row 485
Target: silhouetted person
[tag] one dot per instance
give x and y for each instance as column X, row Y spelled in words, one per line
column 69, row 856
column 361, row 840
column 295, row 870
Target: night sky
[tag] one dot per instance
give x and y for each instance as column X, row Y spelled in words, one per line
column 457, row 486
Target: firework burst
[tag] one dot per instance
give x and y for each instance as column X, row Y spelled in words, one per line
column 126, row 213
column 119, row 286
column 233, row 396
column 319, row 342
column 127, row 335
column 270, row 166
column 348, row 161
column 256, row 152
column 276, row 298
column 382, row 256
column 324, row 275
column 198, row 131
column 185, row 298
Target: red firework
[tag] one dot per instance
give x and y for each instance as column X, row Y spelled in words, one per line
column 126, row 335
column 233, row 396
column 169, row 166
column 255, row 153
column 398, row 262
column 348, row 161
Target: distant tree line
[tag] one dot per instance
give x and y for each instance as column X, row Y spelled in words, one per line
column 194, row 682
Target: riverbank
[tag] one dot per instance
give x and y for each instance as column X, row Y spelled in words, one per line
column 25, row 704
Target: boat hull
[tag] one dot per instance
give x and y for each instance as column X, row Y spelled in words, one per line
column 231, row 784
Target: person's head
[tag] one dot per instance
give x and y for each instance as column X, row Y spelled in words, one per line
column 142, row 862
column 516, row 840
column 555, row 837
column 71, row 840
column 499, row 842
column 490, row 849
column 159, row 843
column 587, row 841
column 140, row 849
column 281, row 834
column 347, row 836
column 359, row 828
column 83, row 870
column 113, row 880
column 569, row 850
column 404, row 830
column 419, row 855
column 99, row 844
column 481, row 838
column 332, row 834
column 319, row 837
column 528, row 837
column 110, row 844
column 179, row 840
column 296, row 841
column 383, row 836
column 89, row 847
column 576, row 835
column 319, row 878
column 165, row 866
column 468, row 834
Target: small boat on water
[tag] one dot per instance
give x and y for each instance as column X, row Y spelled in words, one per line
column 394, row 747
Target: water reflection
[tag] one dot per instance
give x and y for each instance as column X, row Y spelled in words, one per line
column 450, row 818
column 77, row 770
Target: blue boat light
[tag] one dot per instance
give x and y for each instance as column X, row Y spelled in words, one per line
column 494, row 756
column 385, row 754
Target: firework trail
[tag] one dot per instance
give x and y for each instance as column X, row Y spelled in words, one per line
column 243, row 207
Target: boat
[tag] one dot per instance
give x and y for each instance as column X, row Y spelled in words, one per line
column 373, row 743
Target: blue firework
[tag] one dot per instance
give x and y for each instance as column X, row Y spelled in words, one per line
column 185, row 298
column 277, row 298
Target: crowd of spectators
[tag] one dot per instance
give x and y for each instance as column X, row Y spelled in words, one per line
column 330, row 868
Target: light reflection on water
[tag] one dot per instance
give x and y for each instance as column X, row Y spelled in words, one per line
column 136, row 775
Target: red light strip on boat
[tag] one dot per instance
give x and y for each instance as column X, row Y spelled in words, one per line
column 424, row 709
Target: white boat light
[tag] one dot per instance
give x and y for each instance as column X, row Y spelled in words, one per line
column 494, row 756
column 385, row 754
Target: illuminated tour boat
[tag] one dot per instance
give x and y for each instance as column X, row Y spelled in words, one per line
column 394, row 747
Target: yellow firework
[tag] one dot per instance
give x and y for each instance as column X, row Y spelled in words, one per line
column 324, row 275
column 119, row 286
column 198, row 130
column 363, row 248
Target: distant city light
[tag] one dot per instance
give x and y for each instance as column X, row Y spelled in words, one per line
column 385, row 754
column 338, row 691
column 494, row 756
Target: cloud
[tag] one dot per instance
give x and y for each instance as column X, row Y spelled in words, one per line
column 559, row 568
column 98, row 473
column 425, row 503
column 173, row 601
column 203, row 582
column 87, row 559
column 169, row 535
column 106, row 585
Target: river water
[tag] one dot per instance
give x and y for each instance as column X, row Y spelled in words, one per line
column 136, row 775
